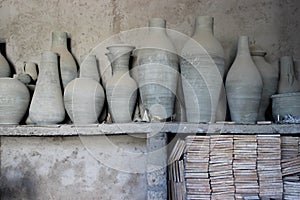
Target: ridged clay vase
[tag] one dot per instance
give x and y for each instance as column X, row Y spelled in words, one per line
column 288, row 82
column 157, row 71
column 47, row 106
column 244, row 86
column 14, row 100
column 67, row 64
column 286, row 104
column 84, row 96
column 121, row 89
column 202, row 68
column 269, row 76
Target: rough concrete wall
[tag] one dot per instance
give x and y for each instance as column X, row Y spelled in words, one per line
column 27, row 25
column 69, row 168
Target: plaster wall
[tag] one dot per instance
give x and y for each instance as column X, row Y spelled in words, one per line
column 60, row 168
column 73, row 168
column 27, row 25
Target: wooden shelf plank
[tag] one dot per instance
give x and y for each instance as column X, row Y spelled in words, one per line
column 145, row 128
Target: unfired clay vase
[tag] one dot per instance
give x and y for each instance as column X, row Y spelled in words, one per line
column 14, row 100
column 288, row 82
column 202, row 69
column 4, row 67
column 67, row 64
column 121, row 89
column 47, row 105
column 244, row 86
column 284, row 104
column 84, row 96
column 157, row 71
column 269, row 76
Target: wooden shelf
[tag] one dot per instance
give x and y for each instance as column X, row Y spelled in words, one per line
column 145, row 128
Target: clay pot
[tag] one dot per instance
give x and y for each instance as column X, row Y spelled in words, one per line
column 157, row 72
column 14, row 100
column 269, row 76
column 67, row 64
column 4, row 67
column 288, row 82
column 284, row 104
column 84, row 96
column 47, row 105
column 244, row 86
column 202, row 68
column 121, row 89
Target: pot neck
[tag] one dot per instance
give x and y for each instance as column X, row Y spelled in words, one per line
column 59, row 39
column 204, row 24
column 243, row 46
column 120, row 64
column 157, row 25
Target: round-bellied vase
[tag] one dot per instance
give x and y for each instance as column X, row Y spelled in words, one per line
column 14, row 100
column 157, row 62
column 84, row 96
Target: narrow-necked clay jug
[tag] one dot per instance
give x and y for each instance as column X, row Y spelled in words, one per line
column 244, row 86
column 121, row 89
column 288, row 82
column 157, row 71
column 269, row 76
column 202, row 68
column 67, row 64
column 14, row 100
column 47, row 105
column 84, row 96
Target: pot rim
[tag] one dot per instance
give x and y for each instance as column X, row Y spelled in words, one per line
column 285, row 95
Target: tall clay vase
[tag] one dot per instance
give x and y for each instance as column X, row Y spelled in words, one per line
column 202, row 68
column 84, row 96
column 14, row 100
column 47, row 105
column 269, row 76
column 121, row 89
column 157, row 71
column 288, row 82
column 244, row 86
column 4, row 67
column 67, row 64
